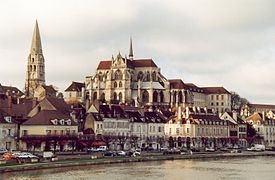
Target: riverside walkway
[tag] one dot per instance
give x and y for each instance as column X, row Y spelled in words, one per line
column 84, row 160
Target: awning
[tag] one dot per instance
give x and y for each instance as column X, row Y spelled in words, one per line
column 99, row 143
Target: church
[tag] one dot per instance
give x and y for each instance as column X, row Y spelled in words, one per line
column 140, row 83
column 127, row 80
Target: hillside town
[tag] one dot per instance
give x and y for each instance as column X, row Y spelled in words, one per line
column 128, row 103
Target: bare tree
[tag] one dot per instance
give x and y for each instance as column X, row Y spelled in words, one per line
column 237, row 101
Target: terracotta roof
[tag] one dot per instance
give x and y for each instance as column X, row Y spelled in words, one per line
column 106, row 64
column 12, row 90
column 261, row 106
column 144, row 63
column 205, row 117
column 215, row 90
column 75, row 86
column 49, row 89
column 44, row 117
column 177, row 84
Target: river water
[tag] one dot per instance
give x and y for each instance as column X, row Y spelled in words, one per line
column 236, row 169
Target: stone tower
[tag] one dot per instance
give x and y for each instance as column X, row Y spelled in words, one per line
column 36, row 67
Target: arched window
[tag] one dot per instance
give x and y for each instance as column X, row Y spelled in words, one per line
column 154, row 76
column 95, row 96
column 120, row 97
column 120, row 84
column 115, row 96
column 115, row 84
column 30, row 67
column 100, row 76
column 140, row 75
column 145, row 97
column 118, row 75
column 161, row 96
column 180, row 97
column 155, row 96
column 34, row 67
column 148, row 76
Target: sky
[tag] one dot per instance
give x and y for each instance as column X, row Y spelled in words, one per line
column 209, row 43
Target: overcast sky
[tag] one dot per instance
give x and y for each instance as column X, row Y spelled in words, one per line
column 206, row 42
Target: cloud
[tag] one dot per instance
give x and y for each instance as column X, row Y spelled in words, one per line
column 215, row 42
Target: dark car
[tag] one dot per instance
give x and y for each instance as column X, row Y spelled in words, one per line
column 108, row 153
column 195, row 149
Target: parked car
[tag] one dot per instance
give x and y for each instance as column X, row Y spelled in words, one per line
column 8, row 156
column 2, row 151
column 257, row 147
column 236, row 150
column 92, row 149
column 210, row 149
column 121, row 153
column 164, row 148
column 148, row 148
column 172, row 151
column 102, row 148
column 27, row 155
column 108, row 153
column 194, row 149
column 183, row 149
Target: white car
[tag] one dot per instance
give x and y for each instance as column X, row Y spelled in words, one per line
column 27, row 155
column 209, row 149
column 121, row 153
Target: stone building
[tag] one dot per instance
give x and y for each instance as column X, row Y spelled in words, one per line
column 75, row 93
column 8, row 131
column 125, row 80
column 249, row 109
column 35, row 74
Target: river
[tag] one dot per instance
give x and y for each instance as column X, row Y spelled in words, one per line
column 225, row 169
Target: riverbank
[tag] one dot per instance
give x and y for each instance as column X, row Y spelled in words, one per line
column 112, row 160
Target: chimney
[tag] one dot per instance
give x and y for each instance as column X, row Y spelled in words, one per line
column 263, row 113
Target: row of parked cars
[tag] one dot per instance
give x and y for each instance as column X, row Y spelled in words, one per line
column 19, row 155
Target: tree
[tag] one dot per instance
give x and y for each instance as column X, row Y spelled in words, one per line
column 237, row 101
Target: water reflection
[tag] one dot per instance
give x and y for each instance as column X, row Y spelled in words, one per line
column 240, row 169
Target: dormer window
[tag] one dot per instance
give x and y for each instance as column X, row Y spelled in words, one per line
column 54, row 121
column 69, row 122
column 61, row 121
column 7, row 119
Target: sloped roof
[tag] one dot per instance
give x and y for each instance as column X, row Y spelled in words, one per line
column 106, row 64
column 262, row 106
column 177, row 84
column 59, row 104
column 215, row 90
column 49, row 89
column 75, row 86
column 44, row 117
column 12, row 90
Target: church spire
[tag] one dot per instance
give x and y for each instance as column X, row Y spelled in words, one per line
column 35, row 75
column 36, row 40
column 131, row 53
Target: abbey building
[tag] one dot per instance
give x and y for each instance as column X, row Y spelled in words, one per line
column 139, row 82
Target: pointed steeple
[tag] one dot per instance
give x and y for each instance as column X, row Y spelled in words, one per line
column 36, row 40
column 131, row 53
column 35, row 75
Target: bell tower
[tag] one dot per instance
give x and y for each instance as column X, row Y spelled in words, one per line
column 35, row 75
